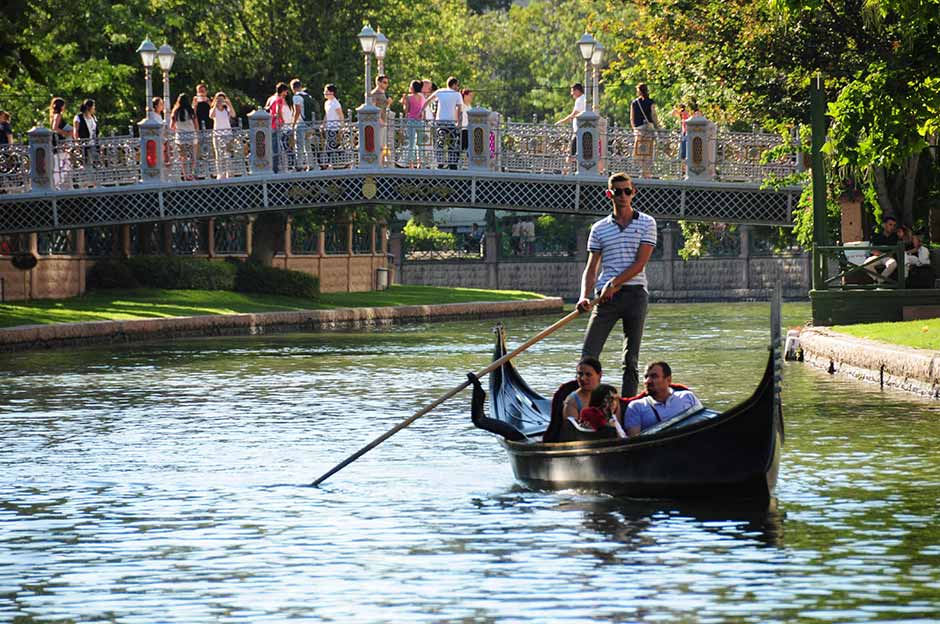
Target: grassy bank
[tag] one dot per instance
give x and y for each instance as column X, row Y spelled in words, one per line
column 919, row 334
column 111, row 305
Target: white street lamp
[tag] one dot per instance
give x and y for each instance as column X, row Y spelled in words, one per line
column 597, row 59
column 166, row 56
column 148, row 53
column 367, row 39
column 381, row 47
column 586, row 45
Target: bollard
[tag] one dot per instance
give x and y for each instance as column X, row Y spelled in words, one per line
column 370, row 139
column 40, row 158
column 587, row 143
column 152, row 165
column 479, row 155
column 259, row 124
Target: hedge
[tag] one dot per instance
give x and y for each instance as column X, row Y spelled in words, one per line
column 254, row 277
column 170, row 272
column 111, row 274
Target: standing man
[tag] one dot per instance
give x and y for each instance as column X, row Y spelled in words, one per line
column 619, row 246
column 380, row 99
column 580, row 103
column 449, row 104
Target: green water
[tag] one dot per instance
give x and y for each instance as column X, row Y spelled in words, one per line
column 167, row 483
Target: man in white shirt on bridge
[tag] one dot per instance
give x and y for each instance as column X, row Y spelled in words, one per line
column 580, row 104
column 449, row 103
column 619, row 247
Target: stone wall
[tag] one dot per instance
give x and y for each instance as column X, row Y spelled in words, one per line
column 692, row 280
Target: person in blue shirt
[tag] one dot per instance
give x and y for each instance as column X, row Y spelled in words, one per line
column 662, row 401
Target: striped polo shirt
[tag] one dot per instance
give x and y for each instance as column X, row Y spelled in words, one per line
column 618, row 246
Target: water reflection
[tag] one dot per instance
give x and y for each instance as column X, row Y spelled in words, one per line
column 168, row 483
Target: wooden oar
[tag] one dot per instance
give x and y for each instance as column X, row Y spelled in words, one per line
column 423, row 411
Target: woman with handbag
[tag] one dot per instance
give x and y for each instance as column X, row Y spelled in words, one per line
column 645, row 123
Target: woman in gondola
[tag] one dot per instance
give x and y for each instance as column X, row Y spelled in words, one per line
column 589, row 377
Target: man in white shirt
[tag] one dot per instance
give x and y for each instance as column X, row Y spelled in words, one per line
column 580, row 103
column 449, row 104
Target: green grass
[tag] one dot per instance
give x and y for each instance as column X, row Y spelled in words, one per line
column 919, row 334
column 113, row 305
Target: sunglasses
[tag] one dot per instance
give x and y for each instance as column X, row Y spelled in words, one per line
column 624, row 191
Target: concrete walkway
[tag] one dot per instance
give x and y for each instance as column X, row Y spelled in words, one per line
column 904, row 368
column 27, row 337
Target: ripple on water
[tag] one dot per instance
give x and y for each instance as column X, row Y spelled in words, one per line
column 168, row 482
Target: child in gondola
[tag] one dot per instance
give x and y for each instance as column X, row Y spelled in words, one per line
column 603, row 413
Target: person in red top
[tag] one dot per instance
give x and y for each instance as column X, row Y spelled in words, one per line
column 277, row 107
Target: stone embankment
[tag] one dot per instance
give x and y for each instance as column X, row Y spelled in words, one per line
column 904, row 368
column 59, row 335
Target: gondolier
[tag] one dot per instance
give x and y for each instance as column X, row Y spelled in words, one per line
column 619, row 247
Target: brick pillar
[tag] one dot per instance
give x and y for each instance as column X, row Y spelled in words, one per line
column 669, row 252
column 288, row 233
column 491, row 259
column 126, row 240
column 82, row 262
column 249, row 234
column 321, row 242
column 745, row 254
column 210, row 238
column 394, row 250
column 167, row 238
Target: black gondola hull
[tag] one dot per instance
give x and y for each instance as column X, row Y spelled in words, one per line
column 735, row 454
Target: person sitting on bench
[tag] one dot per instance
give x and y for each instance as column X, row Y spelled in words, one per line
column 888, row 237
column 659, row 403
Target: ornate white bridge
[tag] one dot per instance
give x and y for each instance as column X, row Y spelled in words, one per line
column 492, row 163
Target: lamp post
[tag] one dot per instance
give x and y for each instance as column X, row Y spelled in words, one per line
column 166, row 55
column 148, row 53
column 586, row 45
column 381, row 46
column 597, row 59
column 367, row 39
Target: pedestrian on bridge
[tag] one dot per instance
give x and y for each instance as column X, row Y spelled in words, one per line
column 619, row 246
column 449, row 104
column 580, row 104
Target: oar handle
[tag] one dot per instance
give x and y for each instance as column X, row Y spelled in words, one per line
column 453, row 391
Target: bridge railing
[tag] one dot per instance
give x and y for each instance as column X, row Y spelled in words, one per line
column 490, row 143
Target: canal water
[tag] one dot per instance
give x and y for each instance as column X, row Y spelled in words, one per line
column 167, row 483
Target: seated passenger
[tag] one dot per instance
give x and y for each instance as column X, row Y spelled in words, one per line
column 589, row 377
column 603, row 412
column 659, row 403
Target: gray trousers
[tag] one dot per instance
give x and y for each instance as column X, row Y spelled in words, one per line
column 628, row 305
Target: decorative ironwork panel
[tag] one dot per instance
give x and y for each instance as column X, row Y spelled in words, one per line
column 326, row 145
column 305, row 193
column 206, row 154
column 13, row 243
column 304, row 242
column 738, row 157
column 90, row 163
column 186, row 238
column 99, row 242
column 532, row 195
column 337, row 239
column 422, row 144
column 146, row 239
column 208, row 200
column 14, row 169
column 362, row 239
column 23, row 215
column 651, row 154
column 58, row 242
column 737, row 206
column 659, row 201
column 231, row 236
column 592, row 199
column 435, row 190
column 76, row 210
column 536, row 148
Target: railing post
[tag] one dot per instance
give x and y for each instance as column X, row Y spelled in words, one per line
column 40, row 158
column 479, row 156
column 587, row 143
column 370, row 139
column 601, row 144
column 698, row 153
column 495, row 139
column 668, row 253
column 152, row 164
column 259, row 124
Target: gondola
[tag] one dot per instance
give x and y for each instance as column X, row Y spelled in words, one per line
column 733, row 454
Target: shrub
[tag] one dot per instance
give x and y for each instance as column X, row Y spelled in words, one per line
column 427, row 237
column 111, row 274
column 254, row 277
column 182, row 273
